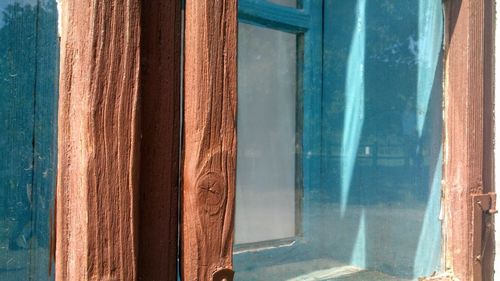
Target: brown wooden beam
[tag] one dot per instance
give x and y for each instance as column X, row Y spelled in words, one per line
column 209, row 152
column 160, row 123
column 466, row 140
column 98, row 149
column 488, row 259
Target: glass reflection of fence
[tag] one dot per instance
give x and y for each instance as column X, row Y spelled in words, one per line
column 383, row 172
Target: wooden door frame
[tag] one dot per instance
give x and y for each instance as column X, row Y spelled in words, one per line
column 119, row 126
column 468, row 134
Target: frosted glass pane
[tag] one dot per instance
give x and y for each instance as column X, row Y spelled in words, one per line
column 290, row 3
column 265, row 201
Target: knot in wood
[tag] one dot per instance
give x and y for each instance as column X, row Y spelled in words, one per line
column 224, row 274
column 211, row 192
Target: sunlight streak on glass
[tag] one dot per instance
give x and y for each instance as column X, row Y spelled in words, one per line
column 429, row 245
column 430, row 32
column 359, row 252
column 354, row 108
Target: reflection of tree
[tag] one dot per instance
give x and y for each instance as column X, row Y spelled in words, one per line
column 396, row 165
column 391, row 64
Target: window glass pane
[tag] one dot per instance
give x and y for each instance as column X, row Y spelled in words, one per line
column 290, row 3
column 28, row 96
column 265, row 202
column 368, row 153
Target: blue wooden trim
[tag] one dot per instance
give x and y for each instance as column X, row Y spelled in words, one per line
column 312, row 100
column 273, row 16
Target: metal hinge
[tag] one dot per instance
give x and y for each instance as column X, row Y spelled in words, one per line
column 483, row 206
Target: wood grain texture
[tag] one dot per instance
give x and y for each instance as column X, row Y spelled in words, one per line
column 464, row 137
column 98, row 142
column 160, row 125
column 209, row 151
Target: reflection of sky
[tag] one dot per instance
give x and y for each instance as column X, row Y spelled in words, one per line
column 5, row 3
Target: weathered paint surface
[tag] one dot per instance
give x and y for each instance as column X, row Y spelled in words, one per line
column 209, row 152
column 97, row 179
column 28, row 97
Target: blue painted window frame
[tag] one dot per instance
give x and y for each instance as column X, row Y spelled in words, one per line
column 305, row 21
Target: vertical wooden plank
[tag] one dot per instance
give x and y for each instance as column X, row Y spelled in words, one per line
column 464, row 147
column 489, row 134
column 160, row 124
column 209, row 152
column 98, row 141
